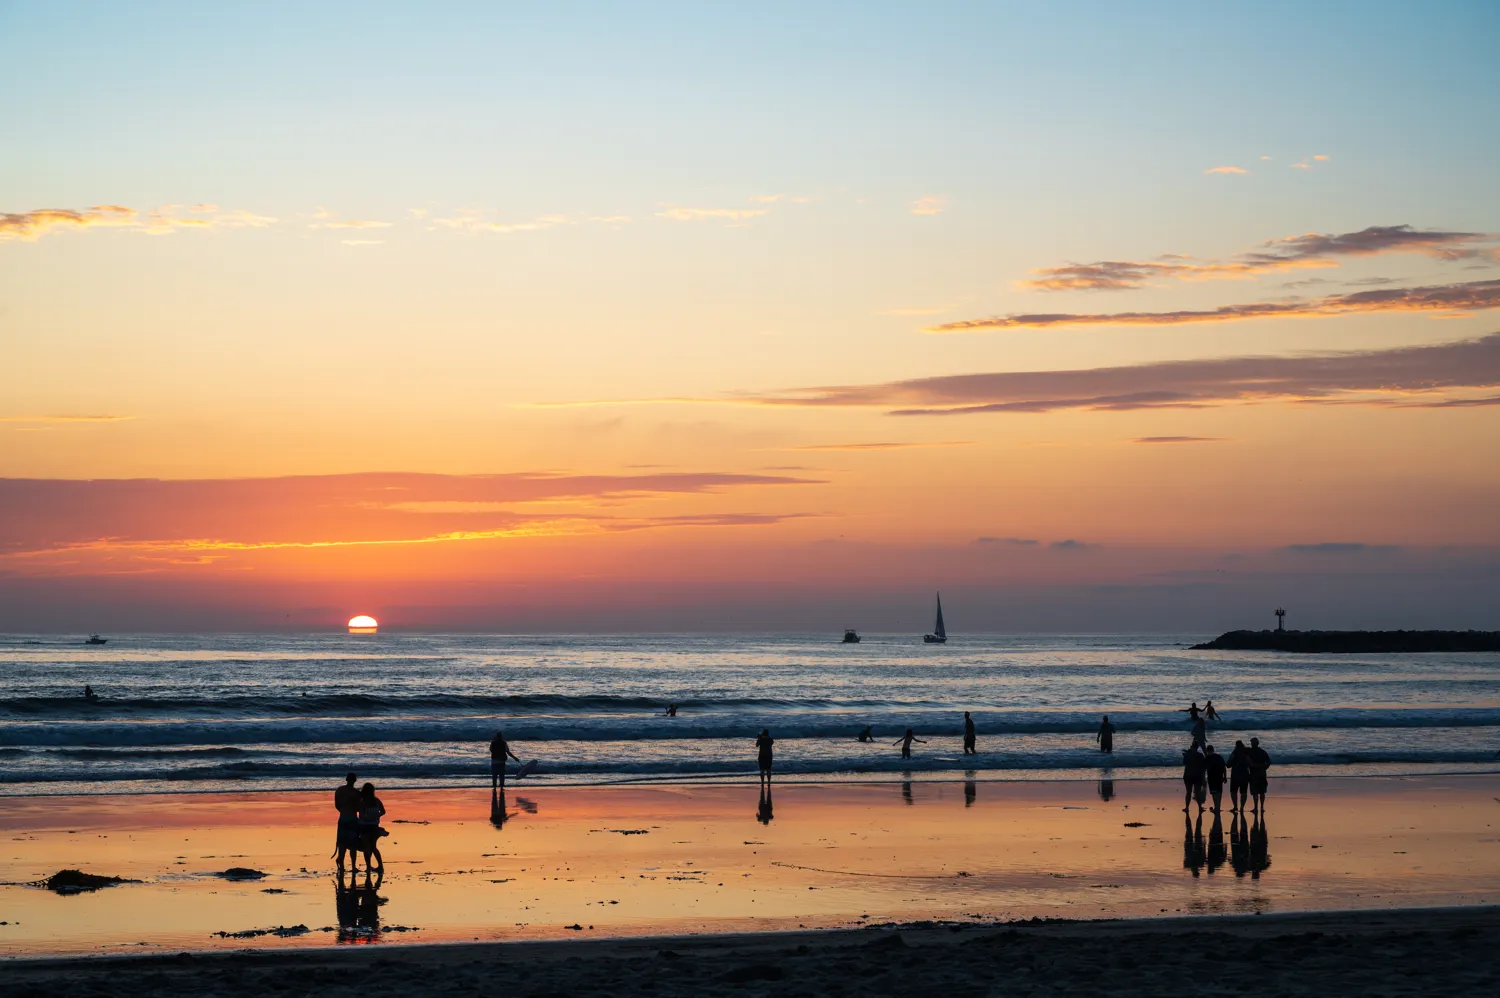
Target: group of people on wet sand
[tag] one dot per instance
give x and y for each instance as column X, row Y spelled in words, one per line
column 1204, row 770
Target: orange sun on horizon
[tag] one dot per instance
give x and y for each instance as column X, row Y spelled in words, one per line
column 363, row 624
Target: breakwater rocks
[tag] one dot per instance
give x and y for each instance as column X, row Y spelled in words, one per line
column 1355, row 642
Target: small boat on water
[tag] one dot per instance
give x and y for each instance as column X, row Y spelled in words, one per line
column 851, row 636
column 95, row 639
column 939, row 635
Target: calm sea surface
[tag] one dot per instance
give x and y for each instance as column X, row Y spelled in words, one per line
column 216, row 712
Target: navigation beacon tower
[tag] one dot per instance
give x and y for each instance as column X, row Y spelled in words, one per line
column 1280, row 621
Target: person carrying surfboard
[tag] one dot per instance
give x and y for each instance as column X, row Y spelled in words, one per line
column 499, row 751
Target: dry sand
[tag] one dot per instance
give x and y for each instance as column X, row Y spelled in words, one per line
column 1447, row 951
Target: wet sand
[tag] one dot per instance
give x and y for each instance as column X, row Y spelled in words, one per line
column 581, row 862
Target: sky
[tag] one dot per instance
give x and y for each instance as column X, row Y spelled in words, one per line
column 600, row 317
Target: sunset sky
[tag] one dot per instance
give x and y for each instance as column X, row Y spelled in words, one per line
column 687, row 316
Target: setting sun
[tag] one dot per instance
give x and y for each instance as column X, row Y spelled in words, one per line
column 363, row 624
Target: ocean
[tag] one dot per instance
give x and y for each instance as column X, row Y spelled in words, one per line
column 259, row 712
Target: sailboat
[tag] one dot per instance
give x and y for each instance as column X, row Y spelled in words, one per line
column 939, row 635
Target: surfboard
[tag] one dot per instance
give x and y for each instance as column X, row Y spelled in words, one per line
column 527, row 769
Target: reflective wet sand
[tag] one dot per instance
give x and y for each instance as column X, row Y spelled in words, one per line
column 602, row 861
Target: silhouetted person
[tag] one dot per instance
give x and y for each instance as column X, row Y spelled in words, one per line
column 671, row 710
column 370, row 812
column 1260, row 762
column 764, row 813
column 346, row 838
column 905, row 742
column 1200, row 733
column 1105, row 736
column 1216, row 844
column 1214, row 771
column 89, row 694
column 1193, row 854
column 1209, row 712
column 866, row 735
column 1239, row 776
column 763, row 744
column 499, row 752
column 969, row 735
column 1192, row 777
column 1193, row 711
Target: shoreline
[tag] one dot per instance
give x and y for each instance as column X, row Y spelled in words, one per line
column 750, row 778
column 1394, row 951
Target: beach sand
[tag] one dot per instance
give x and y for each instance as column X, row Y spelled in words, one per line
column 576, row 862
column 1409, row 952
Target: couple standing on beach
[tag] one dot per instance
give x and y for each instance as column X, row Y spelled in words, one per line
column 359, row 828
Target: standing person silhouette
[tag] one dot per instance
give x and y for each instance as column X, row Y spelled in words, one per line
column 1213, row 771
column 1200, row 733
column 969, row 735
column 905, row 742
column 866, row 735
column 1260, row 762
column 1193, row 711
column 1239, row 776
column 1192, row 777
column 1209, row 712
column 763, row 744
column 1105, row 736
column 499, row 752
column 346, row 839
column 371, row 810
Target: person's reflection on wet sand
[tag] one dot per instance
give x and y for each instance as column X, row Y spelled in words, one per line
column 357, row 905
column 971, row 790
column 1215, row 844
column 1192, row 844
column 1107, row 785
column 906, row 789
column 763, row 812
column 1239, row 845
column 497, row 809
column 1260, row 845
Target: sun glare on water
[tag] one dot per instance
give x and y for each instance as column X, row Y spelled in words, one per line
column 363, row 624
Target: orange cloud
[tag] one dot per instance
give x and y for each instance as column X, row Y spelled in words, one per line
column 1456, row 298
column 929, row 204
column 32, row 225
column 678, row 213
column 1226, row 169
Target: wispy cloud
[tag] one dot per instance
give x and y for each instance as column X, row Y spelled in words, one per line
column 1071, row 545
column 1341, row 548
column 30, row 226
column 1013, row 541
column 1427, row 376
column 1226, row 169
column 1455, row 298
column 1176, row 440
column 928, row 204
column 1311, row 249
column 473, row 221
column 49, row 515
column 65, row 419
column 882, row 446
column 681, row 213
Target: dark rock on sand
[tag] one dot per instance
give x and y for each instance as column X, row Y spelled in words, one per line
column 77, row 882
column 241, row 873
column 1354, row 642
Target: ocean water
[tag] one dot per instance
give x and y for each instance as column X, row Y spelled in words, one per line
column 229, row 712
